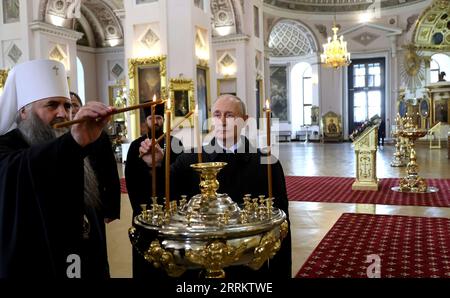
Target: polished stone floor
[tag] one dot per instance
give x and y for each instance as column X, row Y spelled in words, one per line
column 309, row 221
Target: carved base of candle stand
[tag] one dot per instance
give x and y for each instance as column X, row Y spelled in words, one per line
column 210, row 232
column 413, row 183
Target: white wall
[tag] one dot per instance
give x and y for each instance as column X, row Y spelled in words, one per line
column 16, row 33
column 181, row 37
column 97, row 65
column 106, row 58
column 255, row 44
column 88, row 59
column 175, row 23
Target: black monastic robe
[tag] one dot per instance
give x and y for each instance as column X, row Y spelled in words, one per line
column 42, row 209
column 41, row 206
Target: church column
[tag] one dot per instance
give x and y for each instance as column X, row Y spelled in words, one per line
column 391, row 109
column 427, row 61
column 57, row 43
column 267, row 53
column 239, row 51
column 176, row 31
column 15, row 37
column 144, row 37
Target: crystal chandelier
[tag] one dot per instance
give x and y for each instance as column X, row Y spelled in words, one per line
column 335, row 51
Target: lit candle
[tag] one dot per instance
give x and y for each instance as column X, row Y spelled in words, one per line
column 168, row 150
column 198, row 131
column 153, row 150
column 269, row 150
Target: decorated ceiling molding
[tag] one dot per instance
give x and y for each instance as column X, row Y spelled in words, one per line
column 332, row 6
column 227, row 17
column 102, row 28
column 433, row 28
column 98, row 21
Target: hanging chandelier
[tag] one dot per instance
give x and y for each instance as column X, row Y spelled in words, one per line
column 335, row 51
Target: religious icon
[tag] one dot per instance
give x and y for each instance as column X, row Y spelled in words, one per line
column 181, row 91
column 314, row 115
column 441, row 111
column 332, row 127
column 149, row 83
column 181, row 103
column 278, row 87
column 202, row 92
column 402, row 108
column 424, row 108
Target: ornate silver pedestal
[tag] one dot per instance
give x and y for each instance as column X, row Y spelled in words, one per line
column 210, row 232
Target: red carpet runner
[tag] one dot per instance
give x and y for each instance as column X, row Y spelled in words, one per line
column 407, row 247
column 339, row 190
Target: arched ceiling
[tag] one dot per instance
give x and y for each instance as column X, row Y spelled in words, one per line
column 102, row 28
column 98, row 21
column 332, row 6
column 227, row 16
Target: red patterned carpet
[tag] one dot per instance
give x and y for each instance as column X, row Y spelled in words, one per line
column 339, row 190
column 407, row 246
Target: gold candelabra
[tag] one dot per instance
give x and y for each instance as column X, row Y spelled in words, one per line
column 412, row 183
column 398, row 160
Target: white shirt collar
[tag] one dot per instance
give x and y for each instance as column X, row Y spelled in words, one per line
column 232, row 148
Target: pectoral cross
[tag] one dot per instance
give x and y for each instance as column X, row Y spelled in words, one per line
column 55, row 68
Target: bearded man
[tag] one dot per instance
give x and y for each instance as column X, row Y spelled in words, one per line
column 48, row 196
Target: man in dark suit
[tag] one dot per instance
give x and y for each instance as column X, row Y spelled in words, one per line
column 245, row 173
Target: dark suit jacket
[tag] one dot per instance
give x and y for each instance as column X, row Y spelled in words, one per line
column 41, row 206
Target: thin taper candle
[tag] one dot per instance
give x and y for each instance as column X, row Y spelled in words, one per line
column 269, row 149
column 153, row 150
column 167, row 154
column 198, row 131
